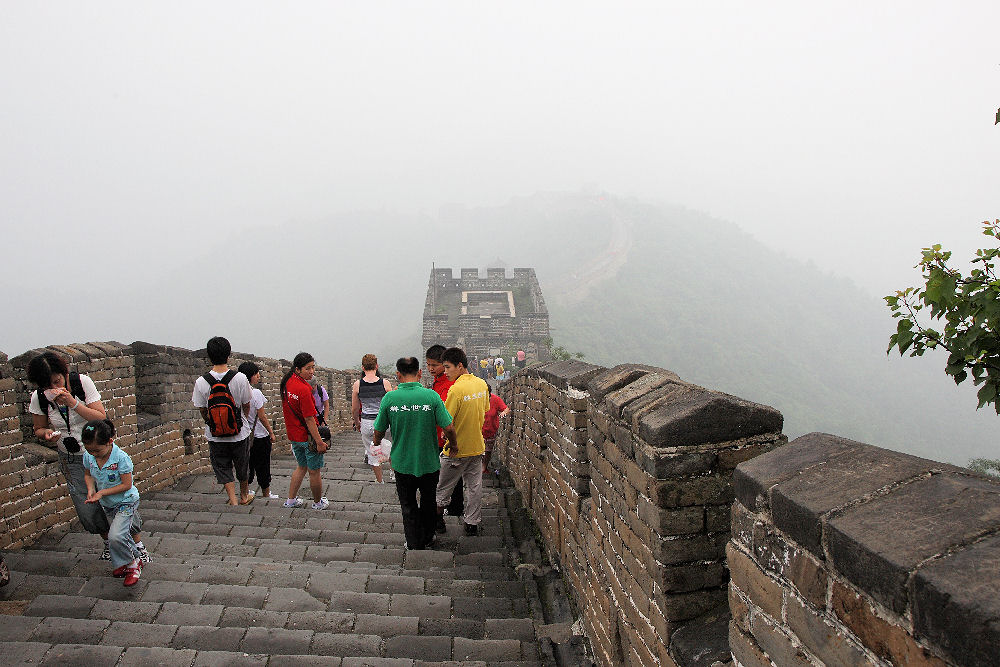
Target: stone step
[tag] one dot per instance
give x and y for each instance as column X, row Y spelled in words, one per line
column 339, row 497
column 307, row 527
column 321, row 532
column 264, row 584
column 204, row 604
column 19, row 628
column 53, row 566
column 343, row 592
column 30, row 653
column 185, row 626
column 482, row 565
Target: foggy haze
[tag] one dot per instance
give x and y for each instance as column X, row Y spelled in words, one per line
column 142, row 145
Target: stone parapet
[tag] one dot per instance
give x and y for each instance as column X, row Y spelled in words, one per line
column 146, row 390
column 628, row 472
column 844, row 553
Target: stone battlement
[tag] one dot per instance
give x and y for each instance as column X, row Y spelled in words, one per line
column 833, row 553
column 628, row 471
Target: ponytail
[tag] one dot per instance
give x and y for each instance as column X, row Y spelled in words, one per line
column 100, row 431
column 299, row 362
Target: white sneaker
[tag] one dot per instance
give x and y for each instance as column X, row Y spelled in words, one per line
column 321, row 505
column 274, row 496
column 294, row 502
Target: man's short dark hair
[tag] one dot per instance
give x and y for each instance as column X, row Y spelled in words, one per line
column 455, row 356
column 249, row 369
column 218, row 349
column 434, row 352
column 408, row 365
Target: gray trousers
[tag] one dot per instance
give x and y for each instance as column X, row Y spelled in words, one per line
column 469, row 469
column 125, row 523
column 92, row 516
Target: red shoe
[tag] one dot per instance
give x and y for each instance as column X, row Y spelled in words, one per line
column 132, row 574
column 121, row 571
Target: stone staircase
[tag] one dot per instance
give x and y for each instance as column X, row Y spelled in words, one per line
column 266, row 585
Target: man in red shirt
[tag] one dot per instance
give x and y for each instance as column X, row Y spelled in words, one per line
column 491, row 424
column 441, row 385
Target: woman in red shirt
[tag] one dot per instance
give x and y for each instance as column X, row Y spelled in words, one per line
column 300, row 422
column 491, row 424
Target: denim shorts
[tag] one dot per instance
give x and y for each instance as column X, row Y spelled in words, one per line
column 306, row 458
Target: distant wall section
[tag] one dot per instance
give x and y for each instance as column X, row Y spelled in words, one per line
column 479, row 330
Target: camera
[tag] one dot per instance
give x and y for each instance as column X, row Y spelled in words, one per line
column 71, row 444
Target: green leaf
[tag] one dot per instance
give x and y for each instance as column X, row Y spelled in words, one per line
column 987, row 394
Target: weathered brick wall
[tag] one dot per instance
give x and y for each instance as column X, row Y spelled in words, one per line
column 36, row 498
column 146, row 390
column 628, row 472
column 847, row 554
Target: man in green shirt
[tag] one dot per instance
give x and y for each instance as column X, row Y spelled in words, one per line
column 414, row 413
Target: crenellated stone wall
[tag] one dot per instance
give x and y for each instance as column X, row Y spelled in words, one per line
column 146, row 390
column 628, row 472
column 847, row 554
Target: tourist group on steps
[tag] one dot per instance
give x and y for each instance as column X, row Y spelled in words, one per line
column 435, row 441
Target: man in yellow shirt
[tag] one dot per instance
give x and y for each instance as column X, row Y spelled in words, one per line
column 467, row 402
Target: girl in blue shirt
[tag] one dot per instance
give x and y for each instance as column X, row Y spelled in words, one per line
column 108, row 475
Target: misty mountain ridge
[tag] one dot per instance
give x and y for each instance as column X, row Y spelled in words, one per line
column 624, row 280
column 627, row 281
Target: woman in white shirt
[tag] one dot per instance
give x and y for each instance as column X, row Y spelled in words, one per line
column 263, row 435
column 60, row 407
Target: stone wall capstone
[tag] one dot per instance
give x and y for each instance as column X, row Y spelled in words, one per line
column 847, row 554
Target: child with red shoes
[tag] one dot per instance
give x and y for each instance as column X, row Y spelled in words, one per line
column 108, row 475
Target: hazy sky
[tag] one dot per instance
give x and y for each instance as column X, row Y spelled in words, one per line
column 850, row 135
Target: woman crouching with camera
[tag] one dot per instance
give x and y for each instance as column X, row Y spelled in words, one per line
column 60, row 407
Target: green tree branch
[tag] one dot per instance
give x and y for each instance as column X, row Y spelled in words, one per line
column 967, row 306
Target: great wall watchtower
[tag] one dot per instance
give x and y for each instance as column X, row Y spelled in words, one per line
column 482, row 314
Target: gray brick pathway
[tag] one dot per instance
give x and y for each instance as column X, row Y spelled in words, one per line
column 266, row 585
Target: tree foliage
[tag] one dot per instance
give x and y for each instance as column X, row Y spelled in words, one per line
column 989, row 467
column 558, row 352
column 969, row 310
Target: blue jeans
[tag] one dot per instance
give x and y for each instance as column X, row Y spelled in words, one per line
column 92, row 518
column 125, row 521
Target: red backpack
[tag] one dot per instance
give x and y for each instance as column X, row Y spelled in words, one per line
column 224, row 418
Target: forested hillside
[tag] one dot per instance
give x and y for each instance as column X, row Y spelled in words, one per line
column 702, row 298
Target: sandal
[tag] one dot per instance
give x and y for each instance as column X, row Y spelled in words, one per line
column 250, row 496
